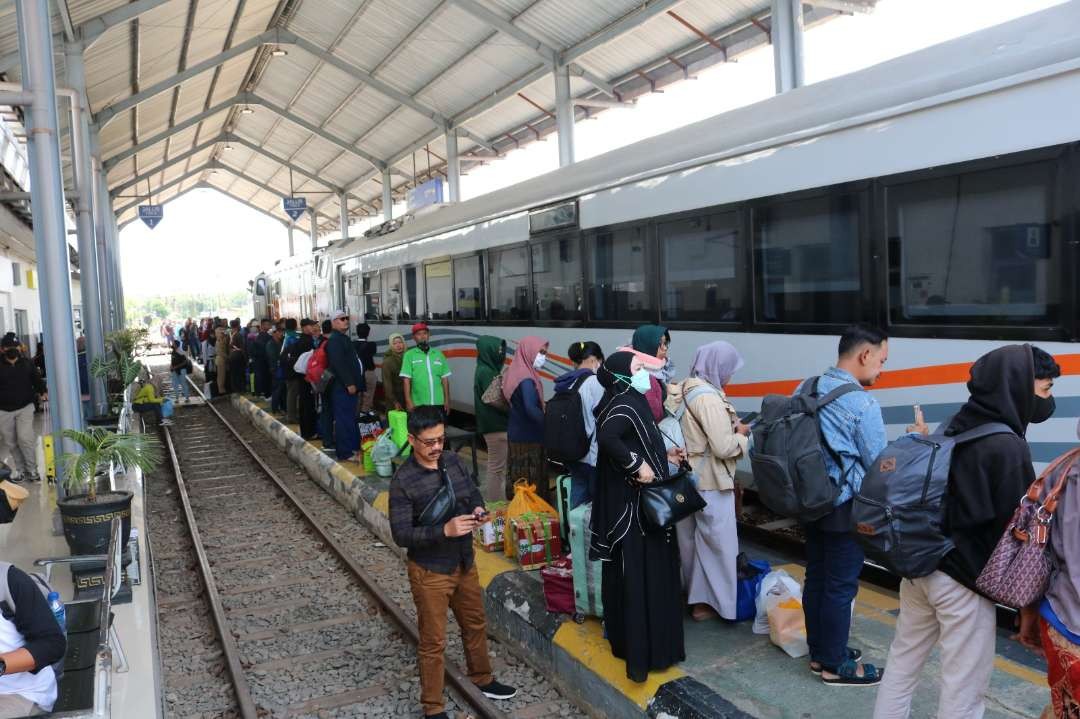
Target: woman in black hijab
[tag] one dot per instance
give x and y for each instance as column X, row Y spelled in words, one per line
column 641, row 582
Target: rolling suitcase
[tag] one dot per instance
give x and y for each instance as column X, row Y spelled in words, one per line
column 562, row 503
column 587, row 575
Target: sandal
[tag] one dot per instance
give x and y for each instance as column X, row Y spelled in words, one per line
column 852, row 654
column 703, row 613
column 847, row 675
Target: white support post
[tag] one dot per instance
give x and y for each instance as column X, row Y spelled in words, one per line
column 291, row 246
column 314, row 219
column 787, row 42
column 387, row 196
column 50, row 238
column 89, row 275
column 453, row 165
column 102, row 218
column 564, row 115
column 343, row 205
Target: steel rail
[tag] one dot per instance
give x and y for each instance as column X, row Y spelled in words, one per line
column 228, row 643
column 469, row 691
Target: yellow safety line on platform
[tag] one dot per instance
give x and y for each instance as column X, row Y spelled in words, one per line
column 382, row 503
column 878, row 605
column 586, row 643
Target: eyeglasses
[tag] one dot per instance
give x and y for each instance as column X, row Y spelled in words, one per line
column 430, row 443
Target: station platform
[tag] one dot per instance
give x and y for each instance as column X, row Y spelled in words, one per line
column 728, row 672
column 36, row 533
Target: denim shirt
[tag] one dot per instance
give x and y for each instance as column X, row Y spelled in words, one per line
column 853, row 428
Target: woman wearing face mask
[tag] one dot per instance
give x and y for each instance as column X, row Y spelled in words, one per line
column 641, row 585
column 393, row 386
column 523, row 389
column 491, row 421
column 654, row 340
column 587, row 357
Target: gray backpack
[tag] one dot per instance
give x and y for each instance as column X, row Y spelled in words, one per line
column 7, row 604
column 788, row 459
column 899, row 512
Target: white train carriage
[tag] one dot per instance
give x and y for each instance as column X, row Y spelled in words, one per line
column 936, row 195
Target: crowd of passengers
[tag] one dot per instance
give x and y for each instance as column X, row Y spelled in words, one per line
column 651, row 578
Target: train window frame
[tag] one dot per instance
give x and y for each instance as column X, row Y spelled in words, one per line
column 861, row 190
column 365, row 290
column 1067, row 160
column 386, row 317
column 490, row 267
column 423, row 267
column 744, row 285
column 648, row 228
column 547, row 237
column 482, row 259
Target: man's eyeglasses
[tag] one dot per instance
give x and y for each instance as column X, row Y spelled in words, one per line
column 431, row 443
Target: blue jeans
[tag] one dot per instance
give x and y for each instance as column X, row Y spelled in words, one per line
column 582, row 483
column 326, row 420
column 346, row 430
column 833, row 562
column 277, row 396
column 179, row 380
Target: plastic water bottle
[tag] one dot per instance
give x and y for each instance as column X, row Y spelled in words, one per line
column 58, row 610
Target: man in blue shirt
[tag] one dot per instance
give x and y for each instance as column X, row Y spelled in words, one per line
column 854, row 432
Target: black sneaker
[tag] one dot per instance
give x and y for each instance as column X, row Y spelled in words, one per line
column 440, row 715
column 494, row 690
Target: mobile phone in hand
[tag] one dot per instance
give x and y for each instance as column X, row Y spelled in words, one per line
column 749, row 418
column 919, row 419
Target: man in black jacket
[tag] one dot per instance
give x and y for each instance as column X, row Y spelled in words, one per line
column 346, row 387
column 1011, row 385
column 30, row 643
column 20, row 382
column 298, row 386
column 442, row 570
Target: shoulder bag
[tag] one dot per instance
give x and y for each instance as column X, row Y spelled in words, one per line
column 1018, row 571
column 493, row 396
column 439, row 508
column 663, row 504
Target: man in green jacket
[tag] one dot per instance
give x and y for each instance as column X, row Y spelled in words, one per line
column 425, row 373
column 491, row 421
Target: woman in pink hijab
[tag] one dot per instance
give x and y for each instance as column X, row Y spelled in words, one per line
column 524, row 390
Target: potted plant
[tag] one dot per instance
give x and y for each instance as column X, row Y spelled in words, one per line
column 85, row 512
column 118, row 372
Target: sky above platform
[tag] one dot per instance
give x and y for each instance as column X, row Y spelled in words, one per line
column 209, row 243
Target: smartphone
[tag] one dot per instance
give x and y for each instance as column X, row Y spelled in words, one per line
column 918, row 414
column 481, row 516
column 749, row 418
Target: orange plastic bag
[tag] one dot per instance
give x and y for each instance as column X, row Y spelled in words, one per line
column 525, row 500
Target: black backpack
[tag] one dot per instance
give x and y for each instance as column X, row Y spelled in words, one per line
column 565, row 438
column 899, row 513
column 787, row 460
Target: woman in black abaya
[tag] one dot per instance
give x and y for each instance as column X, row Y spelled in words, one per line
column 641, row 582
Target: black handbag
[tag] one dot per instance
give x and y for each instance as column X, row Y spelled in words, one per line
column 439, row 508
column 663, row 504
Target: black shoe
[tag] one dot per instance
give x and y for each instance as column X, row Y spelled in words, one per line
column 494, row 690
column 440, row 715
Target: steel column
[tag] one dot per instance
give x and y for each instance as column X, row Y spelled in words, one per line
column 387, row 196
column 291, row 248
column 118, row 277
column 564, row 115
column 50, row 238
column 314, row 220
column 453, row 165
column 343, row 204
column 787, row 42
column 89, row 275
column 102, row 212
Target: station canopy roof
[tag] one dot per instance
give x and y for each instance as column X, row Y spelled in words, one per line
column 260, row 98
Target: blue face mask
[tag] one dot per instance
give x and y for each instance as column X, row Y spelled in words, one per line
column 640, row 381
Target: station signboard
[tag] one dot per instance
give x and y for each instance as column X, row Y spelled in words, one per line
column 151, row 214
column 294, row 206
column 428, row 193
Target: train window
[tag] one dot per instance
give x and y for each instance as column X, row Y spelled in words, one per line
column 372, row 298
column 260, row 287
column 439, row 290
column 977, row 248
column 618, row 268
column 391, row 295
column 468, row 289
column 556, row 279
column 411, row 310
column 699, row 272
column 806, row 261
column 508, row 278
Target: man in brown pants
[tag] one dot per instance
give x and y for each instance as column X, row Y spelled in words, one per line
column 221, row 356
column 442, row 573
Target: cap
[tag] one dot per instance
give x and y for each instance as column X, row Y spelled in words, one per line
column 419, row 326
column 9, row 340
column 340, row 315
column 307, row 322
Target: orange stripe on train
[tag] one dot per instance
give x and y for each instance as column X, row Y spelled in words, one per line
column 895, row 379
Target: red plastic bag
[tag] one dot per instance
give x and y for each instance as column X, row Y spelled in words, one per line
column 316, row 365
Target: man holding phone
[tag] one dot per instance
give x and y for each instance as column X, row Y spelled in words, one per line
column 442, row 571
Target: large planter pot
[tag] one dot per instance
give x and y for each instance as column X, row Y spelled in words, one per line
column 86, row 523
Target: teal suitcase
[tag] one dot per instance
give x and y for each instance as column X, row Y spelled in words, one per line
column 587, row 575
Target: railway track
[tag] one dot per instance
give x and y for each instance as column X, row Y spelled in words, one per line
column 299, row 628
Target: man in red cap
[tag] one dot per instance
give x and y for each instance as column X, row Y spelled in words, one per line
column 425, row 373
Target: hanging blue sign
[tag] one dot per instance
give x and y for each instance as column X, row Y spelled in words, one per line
column 294, row 206
column 151, row 214
column 424, row 194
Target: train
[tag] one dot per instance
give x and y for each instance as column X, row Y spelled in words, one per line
column 936, row 195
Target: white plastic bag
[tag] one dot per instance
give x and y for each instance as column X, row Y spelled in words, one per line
column 787, row 623
column 772, row 584
column 383, row 453
column 300, row 366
